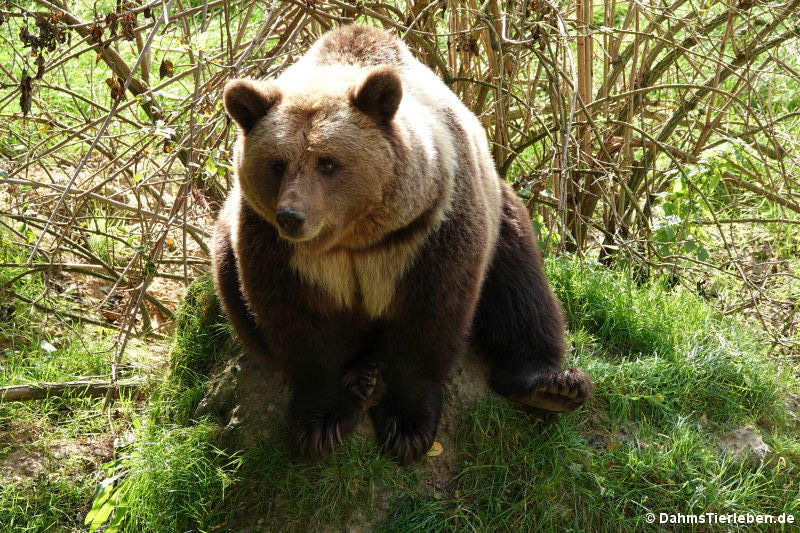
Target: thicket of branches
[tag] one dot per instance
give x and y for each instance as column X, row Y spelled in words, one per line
column 662, row 133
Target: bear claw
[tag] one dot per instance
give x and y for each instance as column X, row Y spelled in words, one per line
column 402, row 439
column 405, row 447
column 559, row 391
column 317, row 438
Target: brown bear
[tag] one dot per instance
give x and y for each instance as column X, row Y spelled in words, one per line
column 368, row 239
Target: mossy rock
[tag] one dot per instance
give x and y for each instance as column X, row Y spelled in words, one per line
column 203, row 337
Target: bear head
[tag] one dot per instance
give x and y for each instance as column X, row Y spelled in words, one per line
column 317, row 154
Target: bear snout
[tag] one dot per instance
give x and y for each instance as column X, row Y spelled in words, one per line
column 290, row 221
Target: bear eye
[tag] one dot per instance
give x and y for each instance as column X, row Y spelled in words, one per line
column 327, row 165
column 278, row 167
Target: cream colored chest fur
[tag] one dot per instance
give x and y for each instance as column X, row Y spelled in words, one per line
column 366, row 278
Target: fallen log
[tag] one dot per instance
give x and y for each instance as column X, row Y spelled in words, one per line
column 84, row 389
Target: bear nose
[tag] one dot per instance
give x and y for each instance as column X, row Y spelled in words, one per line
column 290, row 220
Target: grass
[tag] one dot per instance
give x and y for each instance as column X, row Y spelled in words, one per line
column 342, row 490
column 43, row 505
column 171, row 479
column 672, row 376
column 658, row 354
column 202, row 338
column 51, row 450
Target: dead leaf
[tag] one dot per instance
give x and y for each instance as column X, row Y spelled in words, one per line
column 436, row 449
column 39, row 67
column 26, row 90
column 116, row 88
column 96, row 31
column 166, row 69
column 111, row 22
column 128, row 23
column 110, row 315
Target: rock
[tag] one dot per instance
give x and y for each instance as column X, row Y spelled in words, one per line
column 247, row 400
column 744, row 440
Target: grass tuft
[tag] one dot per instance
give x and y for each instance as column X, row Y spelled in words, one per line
column 172, row 479
column 346, row 488
column 655, row 354
column 200, row 328
column 202, row 338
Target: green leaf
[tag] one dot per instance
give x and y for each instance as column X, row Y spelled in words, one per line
column 105, row 497
column 101, row 516
column 101, row 497
column 120, row 513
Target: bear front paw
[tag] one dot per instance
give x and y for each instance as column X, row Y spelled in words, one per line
column 316, row 436
column 405, row 440
column 558, row 391
column 405, row 444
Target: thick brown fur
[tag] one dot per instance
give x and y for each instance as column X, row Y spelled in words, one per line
column 369, row 237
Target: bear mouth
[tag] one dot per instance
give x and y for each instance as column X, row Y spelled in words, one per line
column 317, row 241
column 295, row 239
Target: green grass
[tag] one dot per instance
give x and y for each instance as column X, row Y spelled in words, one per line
column 546, row 477
column 658, row 354
column 293, row 496
column 43, row 505
column 201, row 332
column 50, row 450
column 170, row 479
column 202, row 338
column 671, row 377
column 33, row 346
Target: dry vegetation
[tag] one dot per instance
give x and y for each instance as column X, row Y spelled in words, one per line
column 662, row 134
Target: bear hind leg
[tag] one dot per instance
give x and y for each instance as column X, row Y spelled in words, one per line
column 518, row 326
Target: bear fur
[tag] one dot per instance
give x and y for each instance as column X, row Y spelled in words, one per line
column 368, row 239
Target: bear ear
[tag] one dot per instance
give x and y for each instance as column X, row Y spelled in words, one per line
column 379, row 94
column 246, row 101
